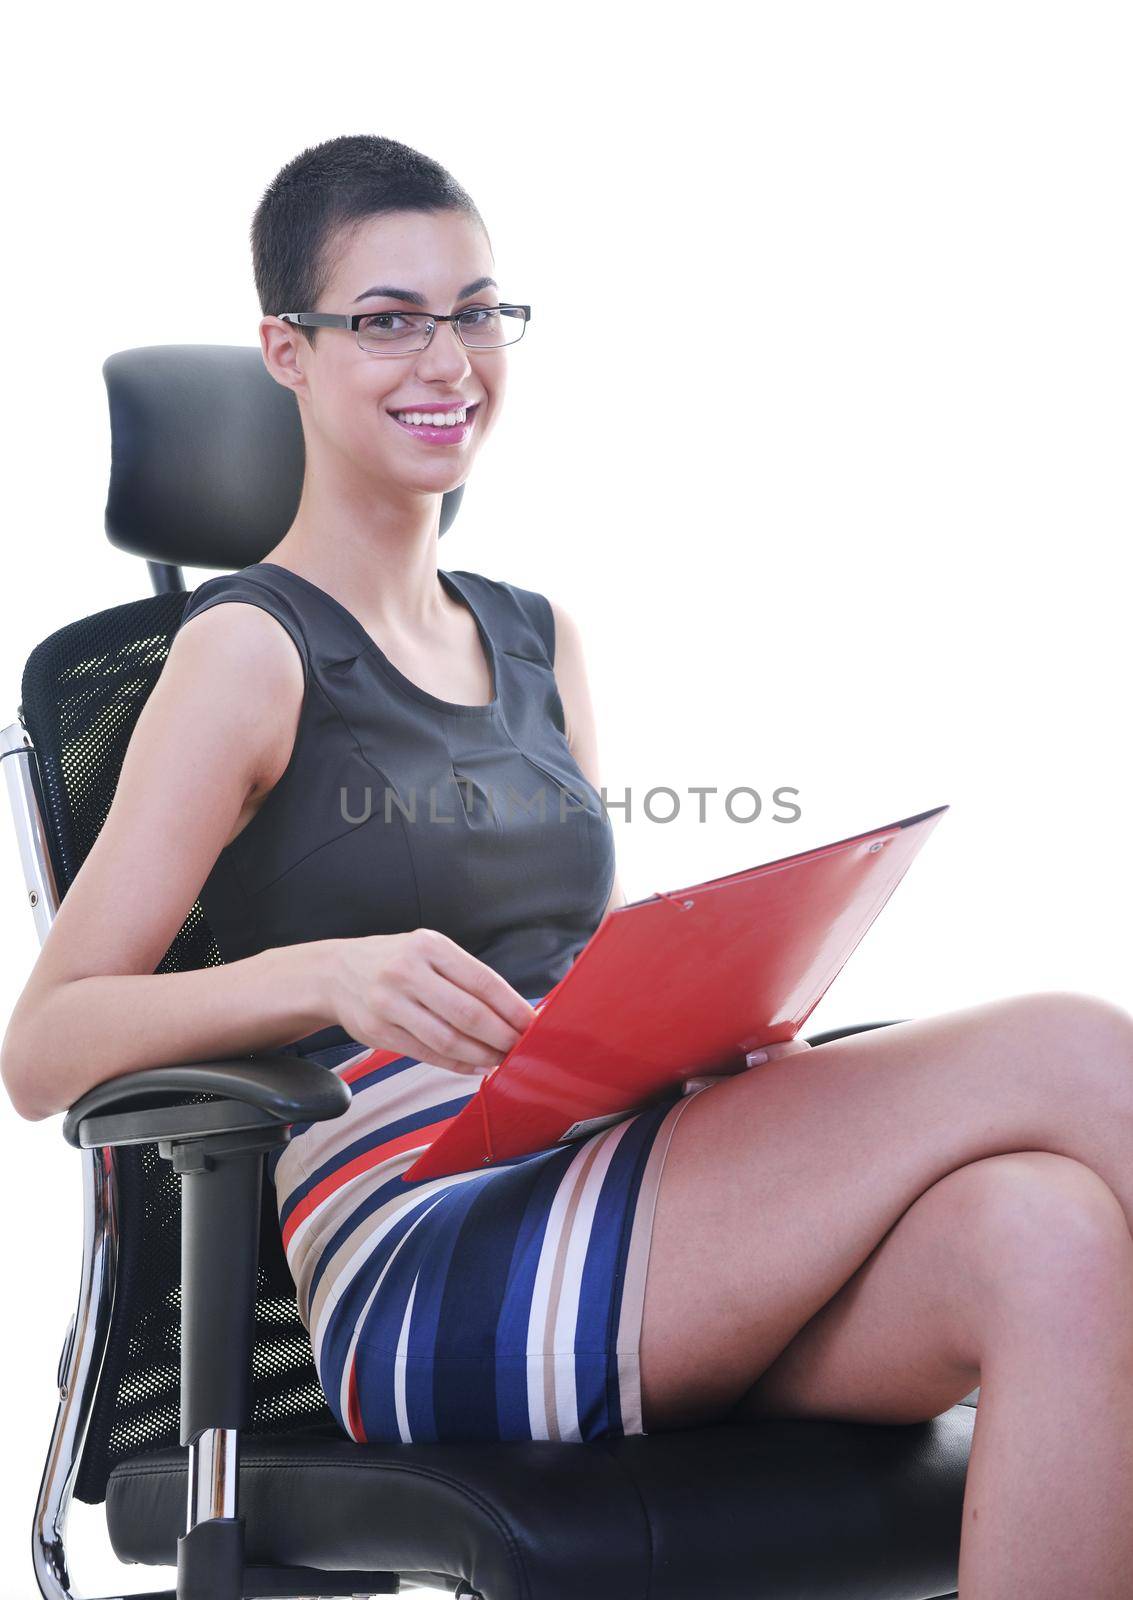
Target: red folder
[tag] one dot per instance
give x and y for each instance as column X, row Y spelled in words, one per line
column 675, row 985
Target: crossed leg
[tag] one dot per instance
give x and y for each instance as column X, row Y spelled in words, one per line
column 869, row 1229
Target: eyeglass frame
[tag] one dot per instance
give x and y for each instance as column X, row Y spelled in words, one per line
column 354, row 320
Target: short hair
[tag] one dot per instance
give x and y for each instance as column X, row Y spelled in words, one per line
column 325, row 191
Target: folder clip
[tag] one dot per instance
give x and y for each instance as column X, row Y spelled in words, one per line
column 681, row 905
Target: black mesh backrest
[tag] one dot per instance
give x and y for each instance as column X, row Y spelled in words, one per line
column 82, row 691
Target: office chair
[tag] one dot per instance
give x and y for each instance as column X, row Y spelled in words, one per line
column 188, row 1399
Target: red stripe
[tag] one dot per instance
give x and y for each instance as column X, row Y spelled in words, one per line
column 361, row 1163
column 354, row 1411
column 376, row 1058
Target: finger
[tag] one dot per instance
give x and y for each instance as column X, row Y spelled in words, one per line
column 466, row 1012
column 407, row 1044
column 443, row 1039
column 770, row 1052
column 486, row 985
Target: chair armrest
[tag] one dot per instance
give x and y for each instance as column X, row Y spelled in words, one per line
column 217, row 1150
column 857, row 1027
column 260, row 1091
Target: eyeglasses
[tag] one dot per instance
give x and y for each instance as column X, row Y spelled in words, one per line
column 399, row 333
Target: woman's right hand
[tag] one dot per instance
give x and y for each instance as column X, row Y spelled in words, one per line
column 423, row 995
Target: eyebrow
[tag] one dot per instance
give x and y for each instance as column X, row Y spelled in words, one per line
column 419, row 299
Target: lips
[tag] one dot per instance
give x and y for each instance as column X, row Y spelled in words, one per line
column 433, row 435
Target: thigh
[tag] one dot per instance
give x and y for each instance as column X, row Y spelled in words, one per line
column 1016, row 1235
column 780, row 1182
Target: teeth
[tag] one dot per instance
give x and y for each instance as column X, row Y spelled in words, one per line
column 432, row 419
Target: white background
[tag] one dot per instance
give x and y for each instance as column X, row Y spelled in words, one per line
column 862, row 532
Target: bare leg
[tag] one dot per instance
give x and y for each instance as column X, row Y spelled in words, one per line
column 1019, row 1269
column 781, row 1182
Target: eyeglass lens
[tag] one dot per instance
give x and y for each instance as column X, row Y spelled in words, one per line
column 481, row 327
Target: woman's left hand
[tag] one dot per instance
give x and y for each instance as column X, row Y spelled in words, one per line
column 767, row 1052
column 770, row 1052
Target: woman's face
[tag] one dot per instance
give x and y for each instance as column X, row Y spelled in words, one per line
column 349, row 395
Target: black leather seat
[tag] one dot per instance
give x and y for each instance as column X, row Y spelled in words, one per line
column 731, row 1511
column 187, row 1333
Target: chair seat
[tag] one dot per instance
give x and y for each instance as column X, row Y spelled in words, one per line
column 773, row 1508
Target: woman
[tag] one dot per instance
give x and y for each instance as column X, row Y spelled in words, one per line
column 868, row 1231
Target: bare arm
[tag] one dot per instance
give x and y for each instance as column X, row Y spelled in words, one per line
column 213, row 737
column 578, row 709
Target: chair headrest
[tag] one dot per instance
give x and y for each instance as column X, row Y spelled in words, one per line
column 206, row 455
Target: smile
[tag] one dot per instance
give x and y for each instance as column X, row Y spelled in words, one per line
column 431, row 432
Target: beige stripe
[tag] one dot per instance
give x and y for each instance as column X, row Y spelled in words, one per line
column 302, row 1257
column 553, row 1430
column 637, row 1263
column 289, row 1171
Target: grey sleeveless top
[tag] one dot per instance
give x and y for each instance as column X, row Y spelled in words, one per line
column 400, row 810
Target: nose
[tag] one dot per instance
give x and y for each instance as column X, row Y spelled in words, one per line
column 445, row 352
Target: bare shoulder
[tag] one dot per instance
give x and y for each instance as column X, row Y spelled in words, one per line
column 238, row 665
column 238, row 628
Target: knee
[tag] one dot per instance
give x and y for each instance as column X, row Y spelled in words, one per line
column 1077, row 1019
column 1036, row 1227
column 1091, row 1034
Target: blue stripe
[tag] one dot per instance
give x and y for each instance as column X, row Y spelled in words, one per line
column 436, row 1321
column 466, row 1347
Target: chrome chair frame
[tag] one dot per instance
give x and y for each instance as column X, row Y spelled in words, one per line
column 84, row 1343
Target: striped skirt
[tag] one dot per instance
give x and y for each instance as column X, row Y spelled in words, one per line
column 500, row 1303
